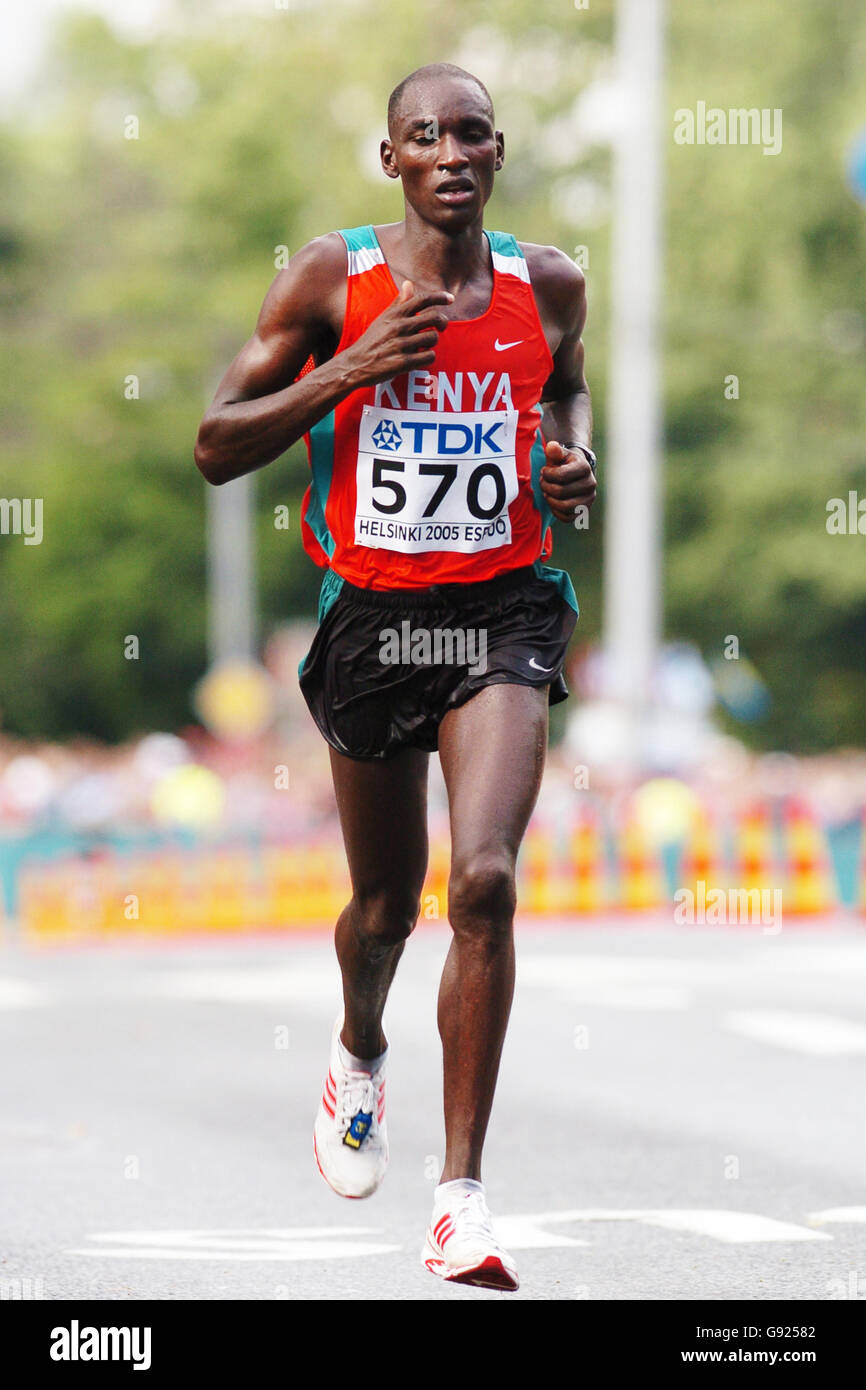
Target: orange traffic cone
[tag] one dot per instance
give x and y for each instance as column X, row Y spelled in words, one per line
column 756, row 895
column 640, row 878
column 538, row 895
column 702, row 858
column 809, row 882
column 755, row 861
column 588, row 889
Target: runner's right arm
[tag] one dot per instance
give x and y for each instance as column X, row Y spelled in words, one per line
column 259, row 409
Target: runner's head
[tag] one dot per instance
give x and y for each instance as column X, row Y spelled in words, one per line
column 442, row 144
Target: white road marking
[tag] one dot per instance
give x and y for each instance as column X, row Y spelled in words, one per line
column 730, row 1227
column 852, row 1214
column 525, row 1232
column 300, row 1243
column 816, row 1035
column 521, row 1232
column 21, row 994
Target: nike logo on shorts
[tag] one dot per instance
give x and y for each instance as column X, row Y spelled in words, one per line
column 546, row 669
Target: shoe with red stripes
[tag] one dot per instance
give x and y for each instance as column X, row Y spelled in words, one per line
column 460, row 1245
column 350, row 1138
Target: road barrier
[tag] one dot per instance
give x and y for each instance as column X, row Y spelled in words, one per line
column 583, row 869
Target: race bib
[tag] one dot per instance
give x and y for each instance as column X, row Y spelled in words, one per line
column 433, row 480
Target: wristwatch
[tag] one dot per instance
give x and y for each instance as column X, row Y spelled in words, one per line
column 589, row 454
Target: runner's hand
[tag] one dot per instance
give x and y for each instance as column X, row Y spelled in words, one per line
column 402, row 338
column 567, row 480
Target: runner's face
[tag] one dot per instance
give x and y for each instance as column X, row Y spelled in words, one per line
column 446, row 152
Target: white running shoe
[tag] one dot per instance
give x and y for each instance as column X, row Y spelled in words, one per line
column 461, row 1246
column 350, row 1138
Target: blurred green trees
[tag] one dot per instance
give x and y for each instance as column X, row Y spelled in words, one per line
column 147, row 258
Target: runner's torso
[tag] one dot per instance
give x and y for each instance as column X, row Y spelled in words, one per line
column 432, row 477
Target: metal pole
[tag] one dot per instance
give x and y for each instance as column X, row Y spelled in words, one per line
column 231, row 621
column 632, row 577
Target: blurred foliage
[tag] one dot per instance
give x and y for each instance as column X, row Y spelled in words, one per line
column 151, row 256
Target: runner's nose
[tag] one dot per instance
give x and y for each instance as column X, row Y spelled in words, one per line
column 451, row 156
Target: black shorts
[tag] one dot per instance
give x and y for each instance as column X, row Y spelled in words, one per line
column 386, row 666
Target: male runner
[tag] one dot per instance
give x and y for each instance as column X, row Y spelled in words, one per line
column 413, row 358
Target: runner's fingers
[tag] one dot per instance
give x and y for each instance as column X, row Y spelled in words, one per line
column 568, row 511
column 419, row 302
column 423, row 359
column 576, row 470
column 422, row 322
column 419, row 342
column 563, row 491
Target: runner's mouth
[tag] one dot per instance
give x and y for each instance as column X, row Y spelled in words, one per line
column 456, row 190
column 455, row 195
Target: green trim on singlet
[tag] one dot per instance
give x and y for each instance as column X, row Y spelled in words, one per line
column 537, row 460
column 322, row 433
column 322, row 458
column 359, row 238
column 558, row 577
column 560, row 580
column 322, row 468
column 332, row 586
column 504, row 244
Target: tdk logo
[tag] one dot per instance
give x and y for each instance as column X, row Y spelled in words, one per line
column 450, row 437
column 387, row 436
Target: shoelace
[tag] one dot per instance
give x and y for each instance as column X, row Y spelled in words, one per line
column 472, row 1213
column 358, row 1092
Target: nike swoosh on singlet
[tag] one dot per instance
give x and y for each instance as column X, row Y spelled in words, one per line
column 545, row 669
column 500, row 347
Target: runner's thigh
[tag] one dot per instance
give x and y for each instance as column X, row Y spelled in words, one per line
column 383, row 816
column 492, row 751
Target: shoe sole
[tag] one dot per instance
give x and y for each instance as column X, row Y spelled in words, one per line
column 491, row 1273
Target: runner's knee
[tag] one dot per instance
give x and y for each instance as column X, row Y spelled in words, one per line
column 386, row 917
column 482, row 894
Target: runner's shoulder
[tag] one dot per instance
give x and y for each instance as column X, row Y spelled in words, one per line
column 314, row 273
column 554, row 276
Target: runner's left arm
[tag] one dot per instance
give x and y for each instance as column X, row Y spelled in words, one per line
column 567, row 479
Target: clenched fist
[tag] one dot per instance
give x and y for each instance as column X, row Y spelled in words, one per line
column 567, row 480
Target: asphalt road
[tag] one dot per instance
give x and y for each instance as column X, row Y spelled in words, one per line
column 680, row 1115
